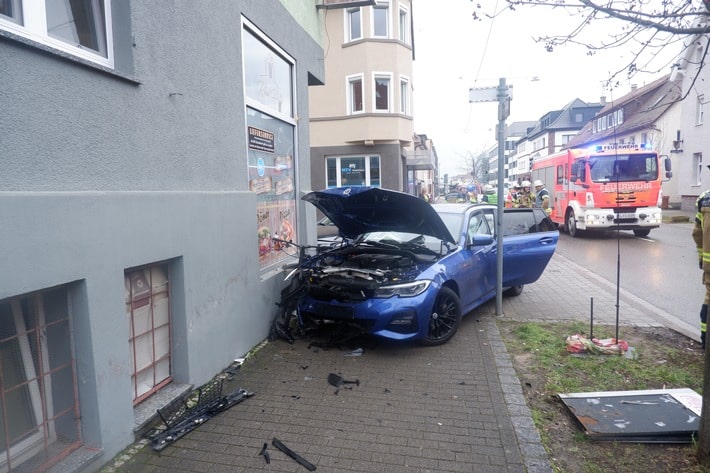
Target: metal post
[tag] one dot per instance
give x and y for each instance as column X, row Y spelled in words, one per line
column 503, row 112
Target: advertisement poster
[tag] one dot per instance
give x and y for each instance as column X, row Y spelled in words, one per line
column 272, row 177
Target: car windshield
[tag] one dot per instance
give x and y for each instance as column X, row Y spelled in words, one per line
column 623, row 168
column 411, row 241
column 453, row 222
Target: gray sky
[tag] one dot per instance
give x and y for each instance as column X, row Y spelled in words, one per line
column 455, row 53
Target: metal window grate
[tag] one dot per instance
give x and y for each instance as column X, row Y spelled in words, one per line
column 148, row 310
column 38, row 396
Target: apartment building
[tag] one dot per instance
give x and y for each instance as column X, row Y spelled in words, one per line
column 149, row 151
column 361, row 119
column 552, row 133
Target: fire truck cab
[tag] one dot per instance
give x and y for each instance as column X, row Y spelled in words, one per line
column 610, row 187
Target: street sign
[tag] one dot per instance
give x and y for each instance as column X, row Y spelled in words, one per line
column 487, row 94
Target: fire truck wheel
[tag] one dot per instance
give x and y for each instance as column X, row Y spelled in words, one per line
column 642, row 232
column 571, row 224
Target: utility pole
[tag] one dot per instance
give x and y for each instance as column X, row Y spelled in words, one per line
column 503, row 94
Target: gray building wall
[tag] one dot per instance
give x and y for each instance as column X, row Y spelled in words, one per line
column 106, row 170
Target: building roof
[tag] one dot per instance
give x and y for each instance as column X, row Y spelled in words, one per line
column 564, row 119
column 641, row 108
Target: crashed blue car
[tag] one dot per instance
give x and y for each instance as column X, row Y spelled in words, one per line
column 408, row 270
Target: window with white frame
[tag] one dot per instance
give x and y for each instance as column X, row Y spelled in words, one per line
column 620, row 116
column 567, row 138
column 699, row 113
column 39, row 405
column 578, row 117
column 403, row 24
column 697, row 168
column 353, row 17
column 381, row 92
column 148, row 311
column 381, row 20
column 404, row 95
column 353, row 171
column 644, row 138
column 81, row 28
column 355, row 94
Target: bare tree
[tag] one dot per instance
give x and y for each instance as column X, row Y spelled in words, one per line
column 641, row 27
column 475, row 164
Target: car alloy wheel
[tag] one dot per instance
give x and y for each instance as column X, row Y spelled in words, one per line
column 445, row 318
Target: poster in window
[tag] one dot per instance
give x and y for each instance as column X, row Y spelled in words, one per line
column 272, row 178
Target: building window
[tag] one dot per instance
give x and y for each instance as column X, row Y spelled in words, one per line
column 644, row 138
column 578, row 117
column 270, row 134
column 699, row 114
column 382, row 93
column 355, row 94
column 354, row 20
column 620, row 116
column 404, row 95
column 567, row 138
column 697, row 168
column 148, row 311
column 353, row 171
column 594, row 126
column 403, row 25
column 78, row 27
column 39, row 405
column 381, row 20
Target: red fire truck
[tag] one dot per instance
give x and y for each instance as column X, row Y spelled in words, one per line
column 609, row 187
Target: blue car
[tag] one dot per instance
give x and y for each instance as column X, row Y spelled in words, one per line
column 409, row 270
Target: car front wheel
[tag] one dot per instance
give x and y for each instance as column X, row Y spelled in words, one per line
column 445, row 318
column 643, row 232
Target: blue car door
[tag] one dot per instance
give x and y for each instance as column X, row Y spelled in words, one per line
column 477, row 271
column 529, row 240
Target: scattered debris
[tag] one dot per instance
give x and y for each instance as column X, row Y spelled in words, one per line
column 265, row 454
column 647, row 416
column 195, row 408
column 299, row 459
column 338, row 381
column 608, row 346
column 355, row 352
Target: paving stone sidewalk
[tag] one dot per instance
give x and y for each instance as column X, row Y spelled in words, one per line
column 454, row 408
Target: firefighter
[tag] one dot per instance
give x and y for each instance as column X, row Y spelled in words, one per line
column 542, row 197
column 526, row 198
column 701, row 236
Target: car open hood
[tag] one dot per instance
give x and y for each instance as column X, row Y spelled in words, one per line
column 358, row 210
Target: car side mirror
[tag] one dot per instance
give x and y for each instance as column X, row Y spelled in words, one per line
column 480, row 239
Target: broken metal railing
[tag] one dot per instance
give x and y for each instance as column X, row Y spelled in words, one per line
column 184, row 414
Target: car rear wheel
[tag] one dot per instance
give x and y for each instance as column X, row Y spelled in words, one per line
column 513, row 291
column 445, row 318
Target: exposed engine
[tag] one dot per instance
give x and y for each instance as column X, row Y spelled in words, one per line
column 353, row 273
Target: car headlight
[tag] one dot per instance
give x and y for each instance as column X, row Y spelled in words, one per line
column 409, row 289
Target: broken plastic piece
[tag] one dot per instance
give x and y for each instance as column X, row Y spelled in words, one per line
column 299, row 459
column 337, row 380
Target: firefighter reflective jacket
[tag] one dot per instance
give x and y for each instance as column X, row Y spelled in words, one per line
column 701, row 230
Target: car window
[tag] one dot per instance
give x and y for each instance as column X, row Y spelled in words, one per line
column 478, row 224
column 518, row 223
column 544, row 223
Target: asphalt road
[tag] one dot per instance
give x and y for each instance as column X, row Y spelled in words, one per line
column 661, row 269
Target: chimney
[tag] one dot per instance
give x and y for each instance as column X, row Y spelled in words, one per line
column 634, row 87
column 602, row 100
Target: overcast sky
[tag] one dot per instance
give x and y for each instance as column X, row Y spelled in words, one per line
column 455, row 53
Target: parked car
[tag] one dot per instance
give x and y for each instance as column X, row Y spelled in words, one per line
column 456, row 197
column 409, row 270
